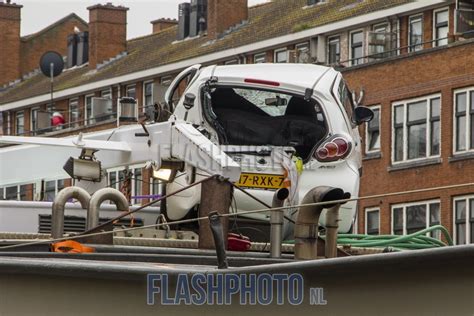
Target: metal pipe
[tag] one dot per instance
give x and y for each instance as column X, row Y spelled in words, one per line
column 276, row 222
column 100, row 196
column 332, row 225
column 57, row 223
column 218, row 235
column 306, row 227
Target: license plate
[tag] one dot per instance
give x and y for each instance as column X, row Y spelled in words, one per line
column 263, row 181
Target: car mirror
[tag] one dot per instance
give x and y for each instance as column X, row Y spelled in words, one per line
column 276, row 101
column 189, row 100
column 362, row 115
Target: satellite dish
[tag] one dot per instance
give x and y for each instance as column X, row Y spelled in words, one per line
column 51, row 63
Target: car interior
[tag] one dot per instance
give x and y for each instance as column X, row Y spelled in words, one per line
column 246, row 123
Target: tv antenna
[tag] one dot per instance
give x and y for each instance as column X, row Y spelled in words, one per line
column 51, row 65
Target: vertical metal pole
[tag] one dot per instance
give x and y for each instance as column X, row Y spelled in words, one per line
column 216, row 195
column 51, row 76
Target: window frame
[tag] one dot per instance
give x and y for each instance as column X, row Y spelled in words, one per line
column 371, row 210
column 334, row 39
column 280, row 50
column 33, row 128
column 428, row 99
column 129, row 88
column 89, row 118
column 404, row 207
column 234, row 61
column 301, row 47
column 413, row 47
column 145, row 83
column 360, row 60
column 436, row 26
column 19, row 114
column 131, row 168
column 469, row 114
column 71, row 123
column 367, row 143
column 258, row 56
column 468, row 220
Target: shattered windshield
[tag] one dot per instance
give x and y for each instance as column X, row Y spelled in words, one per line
column 261, row 117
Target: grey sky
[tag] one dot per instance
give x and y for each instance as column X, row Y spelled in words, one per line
column 37, row 14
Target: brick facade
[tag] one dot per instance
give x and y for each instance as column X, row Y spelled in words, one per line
column 10, row 18
column 162, row 24
column 223, row 14
column 405, row 78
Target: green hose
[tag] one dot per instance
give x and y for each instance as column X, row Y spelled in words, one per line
column 414, row 241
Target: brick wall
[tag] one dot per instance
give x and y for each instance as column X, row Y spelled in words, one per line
column 162, row 24
column 10, row 16
column 222, row 14
column 404, row 78
column 107, row 32
column 53, row 38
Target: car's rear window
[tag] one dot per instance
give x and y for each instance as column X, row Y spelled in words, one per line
column 262, row 117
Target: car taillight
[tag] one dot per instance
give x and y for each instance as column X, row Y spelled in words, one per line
column 333, row 149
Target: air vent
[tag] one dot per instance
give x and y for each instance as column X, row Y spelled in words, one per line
column 77, row 224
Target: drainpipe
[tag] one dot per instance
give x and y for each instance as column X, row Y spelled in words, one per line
column 306, row 227
column 276, row 221
column 57, row 224
column 100, row 196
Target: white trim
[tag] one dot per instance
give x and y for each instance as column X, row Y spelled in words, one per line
column 465, row 198
column 404, row 206
column 367, row 151
column 362, row 58
column 277, row 51
column 370, row 210
column 277, row 41
column 435, row 40
column 469, row 141
column 405, row 103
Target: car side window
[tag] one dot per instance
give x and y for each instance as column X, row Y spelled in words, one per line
column 345, row 99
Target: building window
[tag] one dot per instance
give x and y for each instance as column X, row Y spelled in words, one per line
column 415, row 33
column 11, row 193
column 131, row 92
column 372, row 135
column 260, row 58
column 281, row 56
column 74, row 115
column 303, row 55
column 34, row 119
column 7, row 125
column 89, row 109
column 51, row 188
column 232, row 62
column 334, row 50
column 464, row 121
column 416, row 129
column 413, row 217
column 441, row 27
column 20, row 123
column 147, row 94
column 380, row 41
column 464, row 220
column 357, row 47
column 137, row 185
column 372, row 221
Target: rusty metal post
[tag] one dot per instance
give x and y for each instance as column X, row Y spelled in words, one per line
column 216, row 196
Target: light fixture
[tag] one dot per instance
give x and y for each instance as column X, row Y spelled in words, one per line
column 86, row 167
column 168, row 170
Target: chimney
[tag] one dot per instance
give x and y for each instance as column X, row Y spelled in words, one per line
column 10, row 18
column 162, row 24
column 184, row 12
column 107, row 32
column 198, row 17
column 223, row 14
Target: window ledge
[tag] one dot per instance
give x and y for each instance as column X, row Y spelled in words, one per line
column 462, row 156
column 374, row 155
column 415, row 164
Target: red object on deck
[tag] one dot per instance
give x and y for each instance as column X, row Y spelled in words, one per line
column 238, row 242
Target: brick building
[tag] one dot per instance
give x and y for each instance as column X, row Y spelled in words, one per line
column 412, row 60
